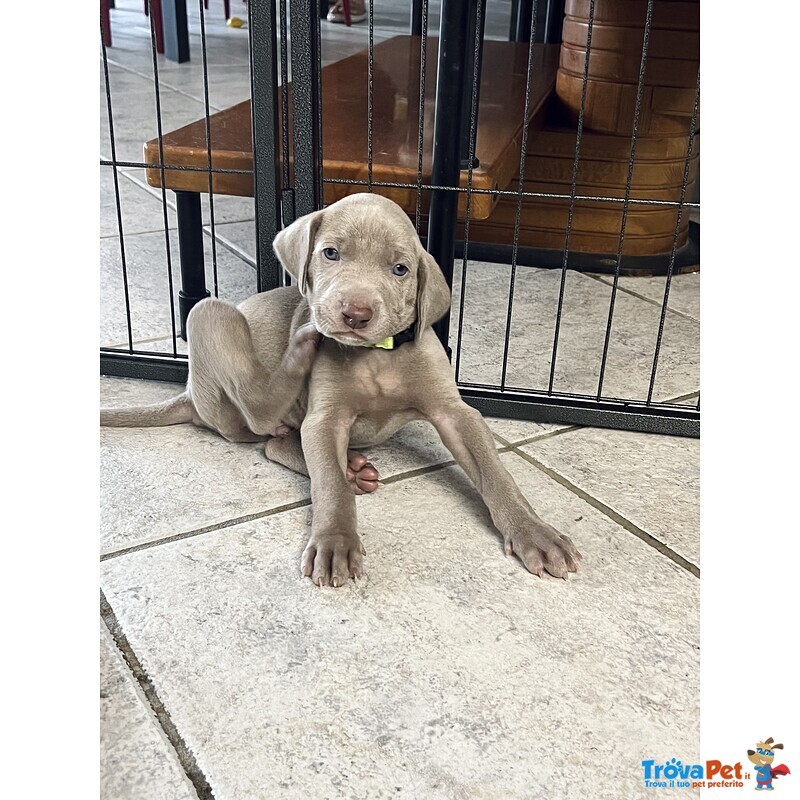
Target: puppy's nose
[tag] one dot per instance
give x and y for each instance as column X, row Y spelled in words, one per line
column 356, row 316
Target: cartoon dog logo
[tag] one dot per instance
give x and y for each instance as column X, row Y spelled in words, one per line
column 762, row 757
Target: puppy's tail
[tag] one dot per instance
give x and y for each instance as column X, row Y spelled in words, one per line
column 170, row 412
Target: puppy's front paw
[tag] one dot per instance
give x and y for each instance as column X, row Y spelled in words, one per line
column 540, row 547
column 332, row 558
column 302, row 350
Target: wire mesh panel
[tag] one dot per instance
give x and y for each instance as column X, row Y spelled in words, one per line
column 562, row 290
column 547, row 153
column 173, row 229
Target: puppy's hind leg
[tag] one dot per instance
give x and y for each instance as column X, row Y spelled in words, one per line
column 225, row 371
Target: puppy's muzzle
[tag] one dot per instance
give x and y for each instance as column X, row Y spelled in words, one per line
column 356, row 316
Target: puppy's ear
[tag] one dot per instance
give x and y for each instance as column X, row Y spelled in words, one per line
column 433, row 293
column 777, row 747
column 294, row 246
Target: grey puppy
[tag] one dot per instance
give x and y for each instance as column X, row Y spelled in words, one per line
column 309, row 369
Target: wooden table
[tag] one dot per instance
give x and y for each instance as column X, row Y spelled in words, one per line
column 395, row 125
column 395, row 110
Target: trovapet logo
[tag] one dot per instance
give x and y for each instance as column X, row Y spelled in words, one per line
column 717, row 774
column 677, row 774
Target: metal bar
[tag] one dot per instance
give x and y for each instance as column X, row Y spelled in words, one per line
column 475, row 31
column 499, row 192
column 190, row 242
column 208, row 148
column 445, row 170
column 118, row 204
column 687, row 257
column 630, row 417
column 266, row 158
column 152, row 368
column 472, row 90
column 104, row 162
column 417, row 15
column 518, row 211
column 686, row 165
column 629, row 179
column 370, row 70
column 589, row 398
column 284, row 107
column 306, row 106
column 421, row 122
column 669, row 421
column 573, row 192
column 160, row 131
column 176, row 30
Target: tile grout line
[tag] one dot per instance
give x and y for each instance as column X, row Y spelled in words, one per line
column 683, row 314
column 131, row 233
column 507, row 447
column 185, row 756
column 162, row 83
column 400, row 476
column 537, row 437
column 594, row 502
column 615, row 516
column 229, row 245
column 151, row 340
column 142, row 701
column 217, row 526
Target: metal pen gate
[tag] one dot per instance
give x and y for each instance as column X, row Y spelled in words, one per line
column 289, row 180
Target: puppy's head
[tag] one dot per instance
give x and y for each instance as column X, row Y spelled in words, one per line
column 363, row 270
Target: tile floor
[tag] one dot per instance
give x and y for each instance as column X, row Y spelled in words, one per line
column 448, row 671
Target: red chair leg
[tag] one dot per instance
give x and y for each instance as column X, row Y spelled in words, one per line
column 105, row 22
column 346, row 9
column 158, row 25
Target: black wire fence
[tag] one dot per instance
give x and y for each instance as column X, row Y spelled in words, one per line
column 525, row 339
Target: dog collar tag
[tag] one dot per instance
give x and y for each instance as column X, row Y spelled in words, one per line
column 385, row 344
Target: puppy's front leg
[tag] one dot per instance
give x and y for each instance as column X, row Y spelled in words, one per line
column 538, row 545
column 334, row 552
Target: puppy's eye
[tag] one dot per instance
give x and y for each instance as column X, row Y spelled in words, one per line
column 399, row 270
column 331, row 253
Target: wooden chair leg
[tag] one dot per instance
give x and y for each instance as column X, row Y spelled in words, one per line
column 227, row 9
column 105, row 22
column 158, row 24
column 346, row 9
column 146, row 8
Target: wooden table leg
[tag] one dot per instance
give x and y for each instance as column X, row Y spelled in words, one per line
column 158, row 25
column 176, row 30
column 105, row 22
column 190, row 245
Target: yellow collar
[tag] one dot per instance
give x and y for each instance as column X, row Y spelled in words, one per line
column 393, row 342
